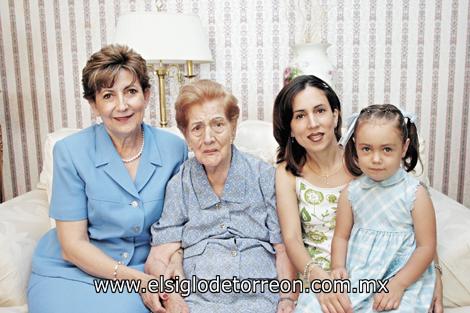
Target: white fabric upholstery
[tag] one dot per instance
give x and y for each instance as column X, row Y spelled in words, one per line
column 256, row 138
column 24, row 219
column 15, row 309
column 453, row 246
column 45, row 178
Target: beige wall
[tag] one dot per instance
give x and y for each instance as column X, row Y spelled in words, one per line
column 411, row 53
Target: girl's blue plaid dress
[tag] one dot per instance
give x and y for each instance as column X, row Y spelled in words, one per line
column 382, row 241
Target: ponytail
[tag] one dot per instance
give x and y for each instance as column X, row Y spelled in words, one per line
column 412, row 154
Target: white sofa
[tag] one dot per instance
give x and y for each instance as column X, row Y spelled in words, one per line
column 24, row 219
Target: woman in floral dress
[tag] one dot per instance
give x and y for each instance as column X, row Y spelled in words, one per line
column 310, row 176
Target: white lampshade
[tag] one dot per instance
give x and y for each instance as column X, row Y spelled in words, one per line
column 167, row 37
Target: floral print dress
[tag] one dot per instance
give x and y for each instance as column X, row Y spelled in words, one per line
column 317, row 208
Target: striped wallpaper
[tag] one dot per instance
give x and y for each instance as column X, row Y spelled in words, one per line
column 412, row 53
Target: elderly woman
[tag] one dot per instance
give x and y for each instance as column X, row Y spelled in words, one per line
column 108, row 187
column 220, row 208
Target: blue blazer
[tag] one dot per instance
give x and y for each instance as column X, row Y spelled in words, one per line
column 91, row 182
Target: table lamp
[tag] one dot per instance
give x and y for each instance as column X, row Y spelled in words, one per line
column 164, row 39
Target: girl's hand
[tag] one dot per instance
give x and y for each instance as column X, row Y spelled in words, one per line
column 339, row 273
column 391, row 300
column 286, row 305
column 436, row 304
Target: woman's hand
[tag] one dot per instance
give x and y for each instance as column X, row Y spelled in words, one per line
column 151, row 300
column 388, row 301
column 175, row 304
column 334, row 302
column 286, row 305
column 163, row 260
column 331, row 302
column 436, row 304
column 339, row 273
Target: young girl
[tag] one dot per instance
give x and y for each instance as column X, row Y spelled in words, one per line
column 385, row 220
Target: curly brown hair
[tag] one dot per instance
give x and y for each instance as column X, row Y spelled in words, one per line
column 201, row 91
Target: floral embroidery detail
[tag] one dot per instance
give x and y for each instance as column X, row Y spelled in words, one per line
column 305, row 216
column 317, row 209
column 317, row 236
column 332, row 198
column 313, row 197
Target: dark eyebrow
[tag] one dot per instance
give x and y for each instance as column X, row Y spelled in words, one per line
column 315, row 107
column 132, row 85
column 384, row 145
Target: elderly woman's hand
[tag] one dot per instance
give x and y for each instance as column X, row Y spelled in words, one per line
column 286, row 305
column 175, row 304
column 151, row 300
column 175, row 266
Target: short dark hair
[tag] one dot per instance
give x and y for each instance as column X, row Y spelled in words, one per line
column 103, row 67
column 291, row 152
column 202, row 91
column 405, row 126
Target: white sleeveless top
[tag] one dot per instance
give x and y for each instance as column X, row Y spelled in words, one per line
column 317, row 208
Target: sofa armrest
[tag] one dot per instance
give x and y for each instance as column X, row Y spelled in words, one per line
column 23, row 220
column 453, row 248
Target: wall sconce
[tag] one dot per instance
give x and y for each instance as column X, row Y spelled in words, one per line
column 165, row 40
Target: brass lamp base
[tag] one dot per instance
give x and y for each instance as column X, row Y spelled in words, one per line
column 161, row 73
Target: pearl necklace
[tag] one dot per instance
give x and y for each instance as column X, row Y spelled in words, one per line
column 135, row 157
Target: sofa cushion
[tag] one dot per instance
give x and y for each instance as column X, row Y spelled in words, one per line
column 28, row 214
column 256, row 138
column 23, row 220
column 453, row 248
column 45, row 178
column 16, row 267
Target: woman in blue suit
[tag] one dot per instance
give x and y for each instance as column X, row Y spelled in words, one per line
column 108, row 189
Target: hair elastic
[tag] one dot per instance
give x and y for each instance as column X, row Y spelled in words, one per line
column 352, row 120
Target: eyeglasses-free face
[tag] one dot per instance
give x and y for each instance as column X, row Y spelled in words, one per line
column 313, row 122
column 380, row 148
column 209, row 134
column 122, row 106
